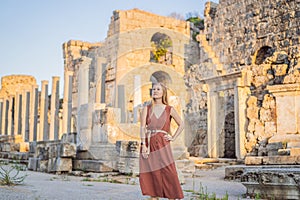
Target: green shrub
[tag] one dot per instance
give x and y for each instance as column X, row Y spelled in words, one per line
column 10, row 174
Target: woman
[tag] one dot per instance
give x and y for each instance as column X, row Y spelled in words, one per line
column 158, row 175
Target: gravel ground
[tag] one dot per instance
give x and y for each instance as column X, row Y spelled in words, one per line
column 43, row 186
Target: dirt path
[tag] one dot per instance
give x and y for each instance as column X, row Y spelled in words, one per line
column 43, row 186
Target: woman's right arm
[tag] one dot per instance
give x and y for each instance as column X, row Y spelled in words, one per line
column 143, row 132
column 143, row 125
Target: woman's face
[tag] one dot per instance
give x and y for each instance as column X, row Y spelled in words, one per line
column 157, row 91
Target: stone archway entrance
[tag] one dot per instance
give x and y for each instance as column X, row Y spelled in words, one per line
column 225, row 120
column 223, row 131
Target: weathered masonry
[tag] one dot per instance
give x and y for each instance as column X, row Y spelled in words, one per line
column 105, row 86
column 246, row 88
column 111, row 82
column 237, row 88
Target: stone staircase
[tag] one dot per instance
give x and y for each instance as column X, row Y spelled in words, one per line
column 201, row 38
column 213, row 163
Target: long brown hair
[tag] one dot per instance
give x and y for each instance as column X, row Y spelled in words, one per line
column 165, row 93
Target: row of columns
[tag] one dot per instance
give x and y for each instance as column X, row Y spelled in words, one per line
column 23, row 113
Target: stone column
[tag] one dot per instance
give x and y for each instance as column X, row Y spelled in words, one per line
column 25, row 115
column 241, row 95
column 122, row 102
column 33, row 113
column 212, row 101
column 17, row 114
column 1, row 116
column 10, row 122
column 137, row 101
column 84, row 108
column 83, row 82
column 53, row 134
column 5, row 117
column 67, row 103
column 43, row 132
column 100, row 87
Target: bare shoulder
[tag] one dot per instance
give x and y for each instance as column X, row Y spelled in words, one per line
column 173, row 110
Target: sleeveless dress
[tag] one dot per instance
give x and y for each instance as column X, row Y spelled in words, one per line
column 158, row 175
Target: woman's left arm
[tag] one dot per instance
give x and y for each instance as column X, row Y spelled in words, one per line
column 178, row 121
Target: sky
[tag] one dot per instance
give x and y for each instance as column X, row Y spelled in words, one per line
column 32, row 31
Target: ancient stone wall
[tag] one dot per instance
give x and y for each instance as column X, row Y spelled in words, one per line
column 240, row 28
column 10, row 85
column 258, row 41
column 111, row 80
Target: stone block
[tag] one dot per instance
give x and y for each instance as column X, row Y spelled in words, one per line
column 262, row 151
column 265, row 114
column 15, row 156
column 95, row 165
column 252, row 112
column 254, row 160
column 24, row 147
column 270, row 128
column 67, row 150
column 105, row 152
column 284, row 152
column 128, row 165
column 284, row 160
column 273, row 153
column 234, row 172
column 270, row 182
column 33, row 164
column 4, row 155
column 41, row 151
column 69, row 137
column 60, row 165
column 295, row 152
column 293, row 144
column 44, row 149
column 32, row 147
column 6, row 147
column 43, row 166
column 272, row 148
column 53, row 151
column 207, row 160
column 128, row 149
column 14, row 146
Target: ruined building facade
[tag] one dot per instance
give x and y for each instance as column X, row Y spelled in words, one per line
column 236, row 87
column 111, row 81
column 246, row 88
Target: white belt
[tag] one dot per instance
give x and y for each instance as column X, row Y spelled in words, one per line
column 149, row 132
column 157, row 131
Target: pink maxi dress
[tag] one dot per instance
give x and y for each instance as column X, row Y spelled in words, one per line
column 158, row 175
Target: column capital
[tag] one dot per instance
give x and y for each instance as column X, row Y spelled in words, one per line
column 69, row 73
column 45, row 82
column 55, row 78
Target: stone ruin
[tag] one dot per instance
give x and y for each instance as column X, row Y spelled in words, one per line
column 236, row 86
column 251, row 93
column 95, row 126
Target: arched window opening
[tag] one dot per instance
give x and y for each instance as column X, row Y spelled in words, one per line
column 262, row 54
column 162, row 49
